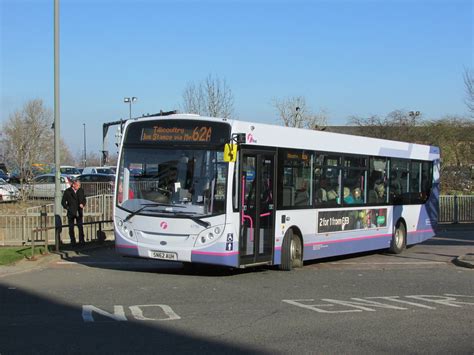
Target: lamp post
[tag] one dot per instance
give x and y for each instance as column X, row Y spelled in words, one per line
column 129, row 101
column 85, row 152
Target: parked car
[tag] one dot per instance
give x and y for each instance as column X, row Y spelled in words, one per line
column 97, row 184
column 42, row 186
column 97, row 170
column 69, row 171
column 112, row 167
column 4, row 175
column 8, row 192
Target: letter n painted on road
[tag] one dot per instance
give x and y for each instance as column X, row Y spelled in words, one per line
column 118, row 315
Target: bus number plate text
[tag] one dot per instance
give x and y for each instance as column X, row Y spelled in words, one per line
column 163, row 255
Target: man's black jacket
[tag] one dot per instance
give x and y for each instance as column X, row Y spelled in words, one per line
column 71, row 201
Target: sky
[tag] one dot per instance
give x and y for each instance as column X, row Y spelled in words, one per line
column 360, row 58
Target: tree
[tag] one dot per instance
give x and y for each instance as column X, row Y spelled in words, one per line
column 294, row 112
column 397, row 125
column 469, row 85
column 27, row 137
column 452, row 134
column 211, row 97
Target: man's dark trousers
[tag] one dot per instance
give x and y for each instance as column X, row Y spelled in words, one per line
column 70, row 221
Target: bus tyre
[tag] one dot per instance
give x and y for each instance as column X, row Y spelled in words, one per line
column 291, row 252
column 399, row 239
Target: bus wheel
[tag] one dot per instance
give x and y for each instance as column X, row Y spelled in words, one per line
column 291, row 252
column 399, row 239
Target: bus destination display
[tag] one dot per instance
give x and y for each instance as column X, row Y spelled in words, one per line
column 176, row 132
column 197, row 134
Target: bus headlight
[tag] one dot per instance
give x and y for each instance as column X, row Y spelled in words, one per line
column 210, row 235
column 125, row 229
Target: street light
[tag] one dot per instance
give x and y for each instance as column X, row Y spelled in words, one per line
column 129, row 101
column 414, row 114
column 85, row 153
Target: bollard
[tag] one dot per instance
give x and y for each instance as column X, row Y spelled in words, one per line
column 43, row 224
column 456, row 209
column 57, row 230
column 32, row 245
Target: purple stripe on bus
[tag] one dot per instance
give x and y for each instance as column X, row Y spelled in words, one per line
column 226, row 259
column 214, row 253
column 348, row 239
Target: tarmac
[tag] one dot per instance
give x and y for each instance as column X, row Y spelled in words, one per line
column 42, row 261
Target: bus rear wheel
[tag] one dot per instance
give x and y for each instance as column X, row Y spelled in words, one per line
column 291, row 252
column 399, row 239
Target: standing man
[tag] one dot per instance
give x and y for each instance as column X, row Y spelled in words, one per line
column 74, row 201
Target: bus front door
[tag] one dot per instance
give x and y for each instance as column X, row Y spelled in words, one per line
column 257, row 210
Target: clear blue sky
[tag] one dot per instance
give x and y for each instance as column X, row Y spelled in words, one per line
column 348, row 57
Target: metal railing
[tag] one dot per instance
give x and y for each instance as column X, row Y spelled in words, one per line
column 18, row 229
column 456, row 209
column 46, row 191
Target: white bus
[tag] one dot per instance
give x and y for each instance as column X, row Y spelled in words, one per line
column 276, row 196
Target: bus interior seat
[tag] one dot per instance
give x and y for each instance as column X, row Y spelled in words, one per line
column 288, row 195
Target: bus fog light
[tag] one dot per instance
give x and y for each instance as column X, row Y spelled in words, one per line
column 203, row 239
column 120, row 223
column 210, row 236
column 217, row 230
column 130, row 234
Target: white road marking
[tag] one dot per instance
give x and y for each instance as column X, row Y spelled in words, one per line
column 138, row 313
column 366, row 304
column 118, row 315
column 136, row 310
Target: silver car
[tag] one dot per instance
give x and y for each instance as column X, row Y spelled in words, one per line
column 42, row 186
column 8, row 192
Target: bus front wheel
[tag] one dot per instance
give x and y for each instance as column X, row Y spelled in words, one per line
column 291, row 252
column 399, row 239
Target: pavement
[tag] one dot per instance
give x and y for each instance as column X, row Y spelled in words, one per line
column 43, row 261
column 466, row 260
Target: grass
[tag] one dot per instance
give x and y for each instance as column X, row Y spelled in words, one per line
column 10, row 255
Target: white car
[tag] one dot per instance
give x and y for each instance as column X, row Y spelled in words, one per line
column 69, row 171
column 42, row 186
column 98, row 170
column 8, row 192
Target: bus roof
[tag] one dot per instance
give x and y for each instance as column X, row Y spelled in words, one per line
column 260, row 134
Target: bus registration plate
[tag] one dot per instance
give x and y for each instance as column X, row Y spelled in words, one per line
column 163, row 255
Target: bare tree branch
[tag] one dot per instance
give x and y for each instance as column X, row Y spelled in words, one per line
column 294, row 112
column 469, row 85
column 211, row 97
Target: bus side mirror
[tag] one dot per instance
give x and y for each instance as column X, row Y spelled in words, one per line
column 230, row 153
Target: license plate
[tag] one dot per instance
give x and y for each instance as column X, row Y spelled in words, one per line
column 163, row 255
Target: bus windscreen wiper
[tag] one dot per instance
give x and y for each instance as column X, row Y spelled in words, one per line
column 189, row 215
column 198, row 220
column 146, row 205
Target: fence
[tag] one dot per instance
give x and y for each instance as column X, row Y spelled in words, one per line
column 456, row 209
column 18, row 229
